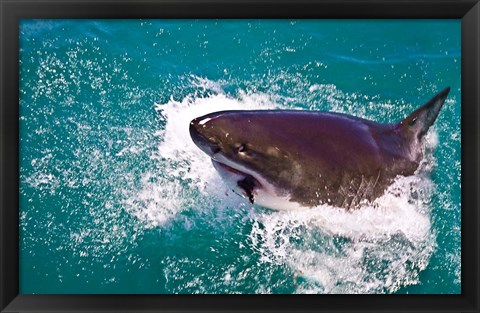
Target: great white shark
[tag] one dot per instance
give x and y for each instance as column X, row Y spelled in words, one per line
column 284, row 159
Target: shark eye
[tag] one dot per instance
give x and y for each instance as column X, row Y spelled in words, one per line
column 241, row 148
column 412, row 122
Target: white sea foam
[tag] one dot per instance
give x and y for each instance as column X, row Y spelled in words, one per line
column 377, row 248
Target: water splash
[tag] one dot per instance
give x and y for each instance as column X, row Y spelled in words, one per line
column 183, row 164
column 376, row 249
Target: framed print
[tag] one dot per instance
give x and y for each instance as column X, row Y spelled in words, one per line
column 239, row 156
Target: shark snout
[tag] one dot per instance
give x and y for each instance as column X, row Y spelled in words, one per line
column 198, row 134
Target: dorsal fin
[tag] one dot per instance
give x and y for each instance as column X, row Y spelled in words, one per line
column 416, row 125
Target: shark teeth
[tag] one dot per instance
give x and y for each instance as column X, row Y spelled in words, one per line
column 246, row 182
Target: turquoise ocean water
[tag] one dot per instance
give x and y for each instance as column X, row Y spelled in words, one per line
column 115, row 198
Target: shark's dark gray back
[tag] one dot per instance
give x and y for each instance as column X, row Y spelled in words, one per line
column 319, row 157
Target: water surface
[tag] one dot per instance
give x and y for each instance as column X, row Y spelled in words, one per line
column 115, row 197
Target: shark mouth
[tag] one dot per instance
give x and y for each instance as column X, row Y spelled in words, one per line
column 247, row 182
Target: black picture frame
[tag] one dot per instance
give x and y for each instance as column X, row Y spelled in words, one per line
column 11, row 11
